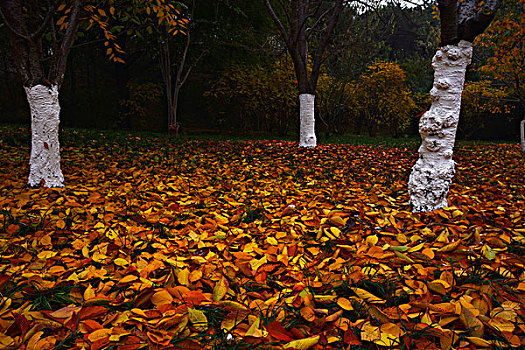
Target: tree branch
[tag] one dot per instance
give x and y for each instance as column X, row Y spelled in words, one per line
column 474, row 25
column 278, row 23
column 11, row 28
column 67, row 42
column 49, row 16
column 316, row 69
column 448, row 13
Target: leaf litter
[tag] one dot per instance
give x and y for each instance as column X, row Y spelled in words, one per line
column 260, row 244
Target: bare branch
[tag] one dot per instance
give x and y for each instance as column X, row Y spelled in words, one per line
column 11, row 28
column 320, row 19
column 49, row 16
column 277, row 22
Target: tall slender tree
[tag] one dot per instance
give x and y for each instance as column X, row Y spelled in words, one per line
column 306, row 27
column 461, row 23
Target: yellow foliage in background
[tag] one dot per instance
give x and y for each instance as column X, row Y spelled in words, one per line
column 382, row 99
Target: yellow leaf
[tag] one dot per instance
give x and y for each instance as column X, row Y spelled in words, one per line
column 183, row 277
column 335, row 231
column 272, row 241
column 488, row 252
column 363, row 294
column 403, row 256
column 501, row 324
column 161, row 297
column 372, row 240
column 46, row 254
column 233, row 319
column 308, row 313
column 128, row 278
column 390, row 334
column 198, row 319
column 195, row 275
column 65, row 312
column 439, row 286
column 121, row 262
column 61, row 224
column 99, row 334
column 450, row 247
column 254, row 331
column 302, row 344
column 102, row 12
column 112, row 10
column 471, row 322
column 345, row 304
column 478, row 342
column 89, row 293
column 99, row 257
column 220, row 289
column 370, row 333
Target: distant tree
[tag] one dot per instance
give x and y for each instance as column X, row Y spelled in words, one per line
column 41, row 35
column 306, row 27
column 461, row 23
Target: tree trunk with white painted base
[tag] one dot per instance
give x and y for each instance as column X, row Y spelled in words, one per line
column 307, row 119
column 433, row 172
column 461, row 22
column 44, row 163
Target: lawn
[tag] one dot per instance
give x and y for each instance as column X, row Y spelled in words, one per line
column 218, row 244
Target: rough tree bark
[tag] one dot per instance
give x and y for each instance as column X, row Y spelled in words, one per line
column 307, row 118
column 299, row 21
column 432, row 174
column 25, row 31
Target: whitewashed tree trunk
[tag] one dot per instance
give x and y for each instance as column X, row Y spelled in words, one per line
column 44, row 163
column 432, row 174
column 522, row 133
column 307, row 118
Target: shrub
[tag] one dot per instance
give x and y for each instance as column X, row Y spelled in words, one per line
column 382, row 100
column 480, row 103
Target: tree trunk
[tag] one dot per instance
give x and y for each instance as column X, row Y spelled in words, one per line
column 432, row 174
column 44, row 163
column 307, row 119
column 522, row 133
column 174, row 109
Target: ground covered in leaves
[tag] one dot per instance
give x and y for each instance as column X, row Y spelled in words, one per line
column 258, row 244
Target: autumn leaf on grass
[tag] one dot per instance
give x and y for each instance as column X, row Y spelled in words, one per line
column 363, row 294
column 302, row 344
column 220, row 289
column 470, row 322
column 161, row 297
column 198, row 319
column 277, row 331
column 233, row 319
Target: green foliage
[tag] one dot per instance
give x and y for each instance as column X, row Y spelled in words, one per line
column 257, row 97
column 335, row 108
column 138, row 107
column 382, row 99
column 479, row 102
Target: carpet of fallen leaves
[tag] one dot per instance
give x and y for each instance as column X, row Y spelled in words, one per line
column 260, row 244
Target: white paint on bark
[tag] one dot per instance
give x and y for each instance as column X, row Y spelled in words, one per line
column 44, row 163
column 307, row 118
column 522, row 133
column 432, row 174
